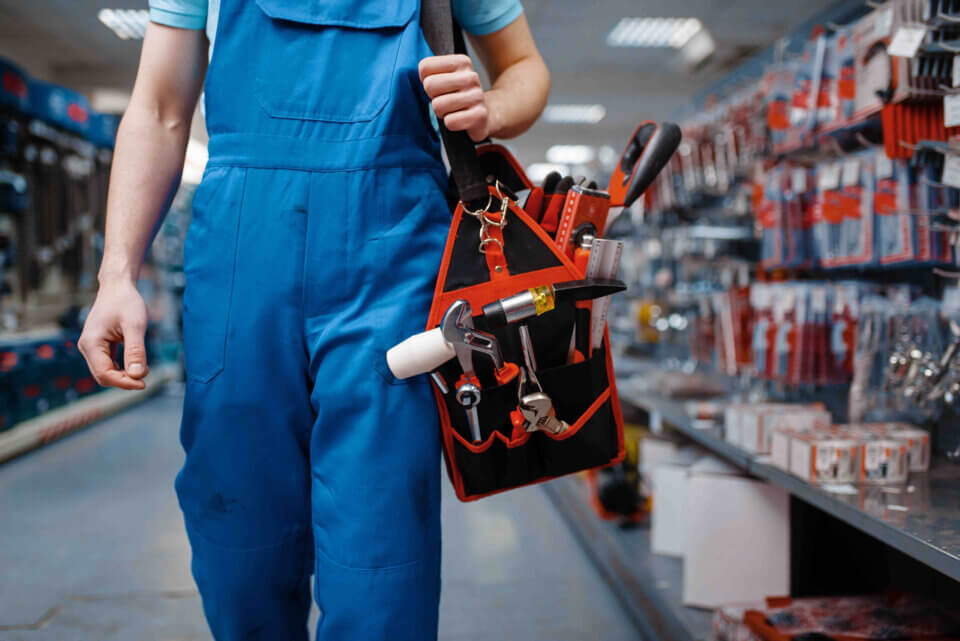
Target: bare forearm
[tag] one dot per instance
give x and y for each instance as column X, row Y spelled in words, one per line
column 518, row 97
column 146, row 171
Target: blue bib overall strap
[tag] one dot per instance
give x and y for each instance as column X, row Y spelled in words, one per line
column 317, row 234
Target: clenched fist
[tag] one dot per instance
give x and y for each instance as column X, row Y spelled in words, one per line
column 456, row 94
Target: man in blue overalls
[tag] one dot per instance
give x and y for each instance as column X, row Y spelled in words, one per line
column 317, row 233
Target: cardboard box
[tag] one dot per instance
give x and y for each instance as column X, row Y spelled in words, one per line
column 825, row 457
column 733, row 417
column 780, row 448
column 737, row 541
column 668, row 518
column 883, row 461
column 918, row 445
column 757, row 426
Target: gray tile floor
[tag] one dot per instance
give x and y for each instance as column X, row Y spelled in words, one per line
column 92, row 548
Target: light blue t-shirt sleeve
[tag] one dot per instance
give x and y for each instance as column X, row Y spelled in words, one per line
column 478, row 17
column 481, row 17
column 183, row 14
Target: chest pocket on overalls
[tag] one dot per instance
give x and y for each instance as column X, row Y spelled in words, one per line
column 330, row 60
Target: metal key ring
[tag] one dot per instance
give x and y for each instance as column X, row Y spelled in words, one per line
column 484, row 242
column 479, row 212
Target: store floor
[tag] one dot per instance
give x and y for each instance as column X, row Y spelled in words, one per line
column 92, row 548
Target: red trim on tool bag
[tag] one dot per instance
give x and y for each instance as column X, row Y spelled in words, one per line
column 480, row 295
column 496, row 261
column 457, row 449
column 513, row 443
column 483, row 293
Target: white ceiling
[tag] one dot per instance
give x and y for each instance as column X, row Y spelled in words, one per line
column 62, row 41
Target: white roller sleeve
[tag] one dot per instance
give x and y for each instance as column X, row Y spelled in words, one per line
column 419, row 354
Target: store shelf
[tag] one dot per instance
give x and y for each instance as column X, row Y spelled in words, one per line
column 921, row 520
column 57, row 423
column 673, row 414
column 648, row 585
column 923, row 523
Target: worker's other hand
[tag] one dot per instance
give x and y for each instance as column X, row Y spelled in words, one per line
column 119, row 315
column 456, row 94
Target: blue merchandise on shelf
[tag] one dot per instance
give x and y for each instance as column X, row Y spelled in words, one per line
column 14, row 87
column 103, row 129
column 61, row 107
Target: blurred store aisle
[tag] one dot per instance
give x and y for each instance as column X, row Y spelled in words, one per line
column 92, row 548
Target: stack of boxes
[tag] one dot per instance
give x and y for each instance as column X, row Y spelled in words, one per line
column 802, row 440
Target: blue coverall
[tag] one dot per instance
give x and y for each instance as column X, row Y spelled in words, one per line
column 317, row 234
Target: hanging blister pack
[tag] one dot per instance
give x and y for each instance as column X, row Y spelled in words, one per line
column 761, row 301
column 858, row 220
column 828, row 229
column 797, row 215
column 896, row 228
column 770, row 215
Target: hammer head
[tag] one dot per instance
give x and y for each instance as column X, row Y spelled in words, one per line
column 459, row 316
column 458, row 330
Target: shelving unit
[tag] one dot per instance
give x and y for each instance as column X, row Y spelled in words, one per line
column 57, row 423
column 923, row 523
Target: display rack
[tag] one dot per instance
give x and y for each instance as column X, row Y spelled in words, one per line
column 57, row 423
column 923, row 523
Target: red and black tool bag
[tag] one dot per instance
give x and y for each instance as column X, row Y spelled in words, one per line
column 584, row 394
column 518, row 255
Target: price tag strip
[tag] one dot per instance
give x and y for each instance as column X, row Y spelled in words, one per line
column 906, row 42
column 951, row 171
column 951, row 110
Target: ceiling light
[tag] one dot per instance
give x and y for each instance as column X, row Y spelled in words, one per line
column 698, row 48
column 589, row 114
column 653, row 32
column 570, row 154
column 128, row 24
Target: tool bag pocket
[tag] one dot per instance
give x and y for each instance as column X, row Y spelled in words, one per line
column 518, row 255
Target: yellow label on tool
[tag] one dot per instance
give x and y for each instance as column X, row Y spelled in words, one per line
column 542, row 299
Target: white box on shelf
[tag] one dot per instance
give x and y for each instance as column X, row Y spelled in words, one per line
column 918, row 445
column 884, row 461
column 737, row 543
column 780, row 448
column 757, row 427
column 825, row 458
column 668, row 521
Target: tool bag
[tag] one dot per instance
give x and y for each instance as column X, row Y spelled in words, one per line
column 495, row 250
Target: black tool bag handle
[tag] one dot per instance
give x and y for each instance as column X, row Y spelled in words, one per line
column 445, row 37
